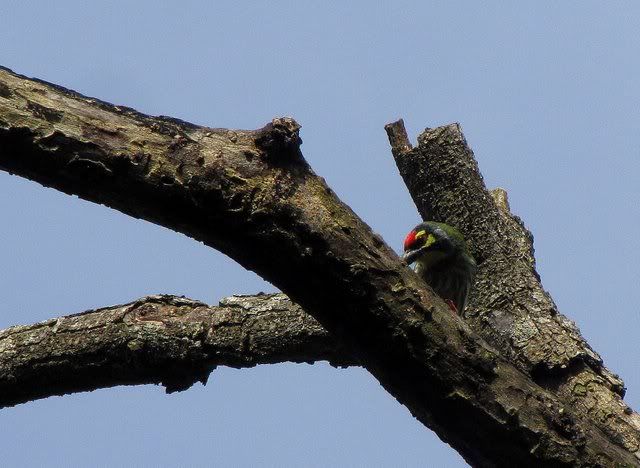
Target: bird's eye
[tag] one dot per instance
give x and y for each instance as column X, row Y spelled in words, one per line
column 413, row 239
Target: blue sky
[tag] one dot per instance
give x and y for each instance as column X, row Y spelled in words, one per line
column 547, row 95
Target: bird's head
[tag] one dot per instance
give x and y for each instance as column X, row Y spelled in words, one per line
column 431, row 242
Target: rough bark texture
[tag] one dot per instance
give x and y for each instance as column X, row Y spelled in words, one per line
column 251, row 195
column 159, row 339
column 509, row 307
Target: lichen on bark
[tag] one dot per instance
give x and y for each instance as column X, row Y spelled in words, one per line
column 251, row 195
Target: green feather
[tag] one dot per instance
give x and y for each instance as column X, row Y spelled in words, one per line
column 447, row 264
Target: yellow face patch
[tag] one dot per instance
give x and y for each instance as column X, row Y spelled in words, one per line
column 430, row 238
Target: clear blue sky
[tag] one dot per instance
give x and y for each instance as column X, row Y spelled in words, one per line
column 547, row 94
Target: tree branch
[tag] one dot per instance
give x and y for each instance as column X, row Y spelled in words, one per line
column 251, row 195
column 509, row 307
column 159, row 339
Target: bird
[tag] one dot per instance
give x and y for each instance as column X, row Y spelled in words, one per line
column 442, row 259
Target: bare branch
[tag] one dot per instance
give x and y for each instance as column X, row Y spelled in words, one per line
column 159, row 339
column 509, row 307
column 251, row 195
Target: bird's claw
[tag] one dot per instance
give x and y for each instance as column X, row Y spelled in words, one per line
column 452, row 306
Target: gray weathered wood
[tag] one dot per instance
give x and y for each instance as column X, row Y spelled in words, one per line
column 165, row 340
column 509, row 307
column 251, row 195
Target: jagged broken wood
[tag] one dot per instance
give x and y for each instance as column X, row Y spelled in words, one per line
column 158, row 339
column 251, row 195
column 509, row 307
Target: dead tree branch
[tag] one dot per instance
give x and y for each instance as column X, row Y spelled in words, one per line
column 251, row 195
column 509, row 307
column 164, row 340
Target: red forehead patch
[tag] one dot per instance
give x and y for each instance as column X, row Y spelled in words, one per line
column 409, row 240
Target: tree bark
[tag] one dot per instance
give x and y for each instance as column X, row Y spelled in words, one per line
column 251, row 195
column 508, row 306
column 165, row 340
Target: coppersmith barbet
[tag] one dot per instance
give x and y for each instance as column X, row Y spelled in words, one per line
column 443, row 260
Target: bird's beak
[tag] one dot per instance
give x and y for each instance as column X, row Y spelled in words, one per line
column 410, row 256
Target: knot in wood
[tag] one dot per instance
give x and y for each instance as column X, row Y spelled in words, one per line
column 280, row 140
